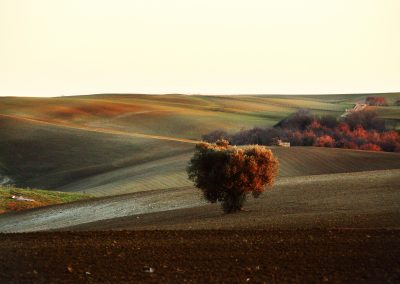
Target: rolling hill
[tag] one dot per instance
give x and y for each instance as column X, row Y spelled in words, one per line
column 316, row 187
column 106, row 144
column 131, row 152
column 170, row 172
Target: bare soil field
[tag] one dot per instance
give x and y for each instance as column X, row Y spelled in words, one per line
column 334, row 228
column 324, row 201
column 356, row 200
column 253, row 256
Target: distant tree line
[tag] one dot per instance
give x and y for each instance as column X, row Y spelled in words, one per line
column 362, row 130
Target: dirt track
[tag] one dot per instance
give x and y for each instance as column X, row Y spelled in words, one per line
column 301, row 256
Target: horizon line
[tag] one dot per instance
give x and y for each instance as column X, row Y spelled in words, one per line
column 205, row 94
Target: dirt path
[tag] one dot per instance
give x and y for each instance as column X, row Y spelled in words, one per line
column 353, row 200
column 357, row 107
column 72, row 214
column 99, row 129
column 260, row 256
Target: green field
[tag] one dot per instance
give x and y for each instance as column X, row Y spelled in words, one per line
column 40, row 198
column 170, row 115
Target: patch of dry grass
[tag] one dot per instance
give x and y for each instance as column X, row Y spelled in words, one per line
column 40, row 198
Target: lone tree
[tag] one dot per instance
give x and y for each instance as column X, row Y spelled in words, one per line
column 227, row 174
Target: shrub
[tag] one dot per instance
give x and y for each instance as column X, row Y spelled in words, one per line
column 297, row 121
column 302, row 129
column 390, row 141
column 367, row 119
column 350, row 145
column 228, row 174
column 370, row 147
column 325, row 141
column 329, row 121
column 249, row 137
column 376, row 101
column 215, row 135
column 309, row 138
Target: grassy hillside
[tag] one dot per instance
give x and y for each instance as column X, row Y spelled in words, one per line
column 171, row 115
column 40, row 198
column 178, row 115
column 54, row 143
column 44, row 156
column 171, row 172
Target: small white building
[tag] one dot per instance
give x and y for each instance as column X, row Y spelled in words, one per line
column 280, row 143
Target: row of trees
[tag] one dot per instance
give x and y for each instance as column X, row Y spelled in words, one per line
column 362, row 130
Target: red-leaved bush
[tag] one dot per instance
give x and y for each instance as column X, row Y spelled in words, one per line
column 362, row 130
column 325, row 141
column 370, row 147
column 376, row 101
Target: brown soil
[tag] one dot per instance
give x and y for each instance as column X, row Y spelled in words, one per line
column 311, row 256
column 349, row 200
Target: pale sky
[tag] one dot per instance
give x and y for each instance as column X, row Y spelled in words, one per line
column 73, row 47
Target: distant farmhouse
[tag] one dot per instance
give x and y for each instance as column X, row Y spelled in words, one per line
column 280, row 143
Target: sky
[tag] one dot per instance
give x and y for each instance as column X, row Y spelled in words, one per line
column 75, row 47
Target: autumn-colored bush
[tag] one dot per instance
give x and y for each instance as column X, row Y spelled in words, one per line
column 302, row 129
column 370, row 147
column 390, row 141
column 325, row 141
column 367, row 119
column 215, row 135
column 349, row 145
column 376, row 101
column 299, row 120
column 227, row 174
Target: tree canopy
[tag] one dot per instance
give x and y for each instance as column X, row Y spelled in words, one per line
column 227, row 174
